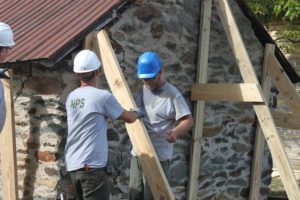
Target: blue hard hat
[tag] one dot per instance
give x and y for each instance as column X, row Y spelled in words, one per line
column 148, row 65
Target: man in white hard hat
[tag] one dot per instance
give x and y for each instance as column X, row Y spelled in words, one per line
column 88, row 110
column 6, row 42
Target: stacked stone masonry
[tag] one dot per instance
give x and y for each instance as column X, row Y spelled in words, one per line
column 171, row 29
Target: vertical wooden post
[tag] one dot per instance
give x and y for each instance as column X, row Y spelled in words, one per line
column 259, row 144
column 204, row 32
column 8, row 144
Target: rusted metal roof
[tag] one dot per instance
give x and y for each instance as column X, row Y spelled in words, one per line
column 44, row 29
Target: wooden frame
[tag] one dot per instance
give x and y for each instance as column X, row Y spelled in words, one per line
column 199, row 105
column 8, row 141
column 262, row 110
column 244, row 92
column 287, row 120
column 259, row 144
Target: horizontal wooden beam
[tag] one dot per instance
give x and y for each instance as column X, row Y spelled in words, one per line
column 283, row 83
column 244, row 92
column 287, row 120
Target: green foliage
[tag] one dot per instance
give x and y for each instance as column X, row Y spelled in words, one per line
column 283, row 12
column 269, row 10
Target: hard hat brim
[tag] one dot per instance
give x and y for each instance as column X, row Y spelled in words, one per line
column 151, row 75
column 8, row 44
column 85, row 71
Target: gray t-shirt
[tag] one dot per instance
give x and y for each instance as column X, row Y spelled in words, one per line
column 163, row 108
column 2, row 107
column 88, row 110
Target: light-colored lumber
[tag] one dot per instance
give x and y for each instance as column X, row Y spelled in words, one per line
column 243, row 92
column 259, row 144
column 89, row 42
column 137, row 132
column 287, row 120
column 8, row 143
column 283, row 84
column 262, row 110
column 199, row 106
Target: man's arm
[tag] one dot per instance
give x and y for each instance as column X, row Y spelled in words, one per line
column 185, row 123
column 128, row 116
column 132, row 115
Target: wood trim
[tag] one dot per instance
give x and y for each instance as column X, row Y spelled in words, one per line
column 244, row 92
column 283, row 83
column 195, row 157
column 259, row 143
column 287, row 120
column 8, row 141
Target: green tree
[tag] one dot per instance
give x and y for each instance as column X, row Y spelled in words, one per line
column 283, row 12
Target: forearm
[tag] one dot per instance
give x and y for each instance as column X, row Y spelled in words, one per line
column 128, row 116
column 183, row 126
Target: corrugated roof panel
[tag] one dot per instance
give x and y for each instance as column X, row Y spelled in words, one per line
column 43, row 29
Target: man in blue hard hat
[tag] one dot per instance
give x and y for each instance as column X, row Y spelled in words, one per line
column 6, row 42
column 167, row 118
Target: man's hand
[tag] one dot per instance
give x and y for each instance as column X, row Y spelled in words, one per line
column 139, row 112
column 172, row 137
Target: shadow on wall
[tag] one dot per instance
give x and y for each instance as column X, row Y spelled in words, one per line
column 46, row 140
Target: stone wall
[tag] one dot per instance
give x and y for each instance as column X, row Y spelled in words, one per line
column 171, row 29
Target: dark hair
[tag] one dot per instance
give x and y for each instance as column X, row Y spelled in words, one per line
column 86, row 77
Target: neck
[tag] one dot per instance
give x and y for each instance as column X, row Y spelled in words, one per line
column 90, row 83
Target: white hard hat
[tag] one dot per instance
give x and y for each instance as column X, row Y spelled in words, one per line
column 6, row 36
column 86, row 61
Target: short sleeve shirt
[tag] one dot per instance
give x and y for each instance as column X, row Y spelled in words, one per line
column 88, row 110
column 163, row 108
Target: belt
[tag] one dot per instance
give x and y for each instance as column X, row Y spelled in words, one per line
column 87, row 169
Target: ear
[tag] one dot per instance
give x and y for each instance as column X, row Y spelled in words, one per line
column 98, row 72
column 160, row 73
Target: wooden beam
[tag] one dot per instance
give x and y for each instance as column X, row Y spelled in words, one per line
column 89, row 42
column 287, row 120
column 262, row 110
column 283, row 83
column 244, row 92
column 137, row 132
column 259, row 144
column 8, row 143
column 204, row 30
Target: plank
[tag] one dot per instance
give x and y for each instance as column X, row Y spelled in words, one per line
column 287, row 120
column 137, row 132
column 8, row 143
column 244, row 92
column 89, row 42
column 262, row 110
column 259, row 143
column 199, row 105
column 283, row 84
